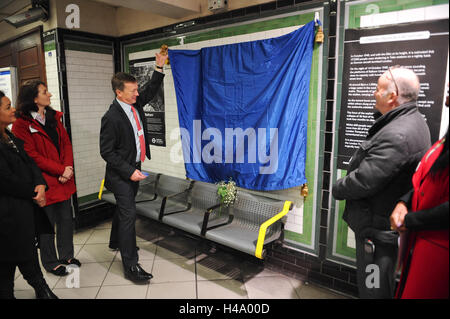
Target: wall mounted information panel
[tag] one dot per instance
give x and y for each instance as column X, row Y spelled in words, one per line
column 421, row 46
column 375, row 35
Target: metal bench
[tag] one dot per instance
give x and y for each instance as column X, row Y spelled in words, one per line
column 171, row 194
column 248, row 225
column 145, row 192
column 202, row 198
column 253, row 222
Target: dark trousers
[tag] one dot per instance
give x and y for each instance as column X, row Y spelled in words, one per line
column 123, row 230
column 30, row 270
column 59, row 214
column 367, row 267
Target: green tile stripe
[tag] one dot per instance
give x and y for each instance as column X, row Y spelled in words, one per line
column 251, row 28
column 342, row 247
column 221, row 33
column 87, row 198
column 90, row 197
column 358, row 10
column 87, row 47
column 145, row 47
column 50, row 46
column 310, row 164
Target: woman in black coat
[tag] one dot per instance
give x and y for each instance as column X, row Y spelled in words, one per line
column 22, row 192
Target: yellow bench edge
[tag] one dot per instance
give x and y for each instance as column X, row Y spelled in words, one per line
column 100, row 192
column 266, row 224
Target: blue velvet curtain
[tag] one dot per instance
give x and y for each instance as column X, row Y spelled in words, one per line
column 243, row 110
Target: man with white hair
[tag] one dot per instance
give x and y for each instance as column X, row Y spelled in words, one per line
column 380, row 171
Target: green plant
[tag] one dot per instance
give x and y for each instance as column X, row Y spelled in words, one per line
column 227, row 192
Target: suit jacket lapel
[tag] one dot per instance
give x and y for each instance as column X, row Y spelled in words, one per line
column 124, row 117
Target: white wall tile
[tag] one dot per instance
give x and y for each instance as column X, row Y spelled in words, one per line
column 89, row 85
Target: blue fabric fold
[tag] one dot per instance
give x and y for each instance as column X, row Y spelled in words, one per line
column 243, row 110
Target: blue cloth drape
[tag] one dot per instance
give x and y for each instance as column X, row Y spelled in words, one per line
column 243, row 110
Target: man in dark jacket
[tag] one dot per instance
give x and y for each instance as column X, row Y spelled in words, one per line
column 379, row 173
column 124, row 146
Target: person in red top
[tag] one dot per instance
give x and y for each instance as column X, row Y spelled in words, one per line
column 47, row 142
column 424, row 213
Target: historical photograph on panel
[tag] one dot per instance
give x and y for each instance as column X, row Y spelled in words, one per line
column 142, row 70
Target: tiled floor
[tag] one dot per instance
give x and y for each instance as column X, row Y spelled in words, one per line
column 183, row 268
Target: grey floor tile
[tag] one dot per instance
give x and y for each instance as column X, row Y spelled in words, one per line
column 96, row 253
column 99, row 236
column 123, row 292
column 21, row 284
column 80, row 237
column 214, row 267
column 183, row 268
column 176, row 247
column 76, row 293
column 221, row 289
column 251, row 270
column 308, row 291
column 172, row 290
column 104, row 225
column 90, row 275
column 173, row 270
column 25, row 294
column 273, row 287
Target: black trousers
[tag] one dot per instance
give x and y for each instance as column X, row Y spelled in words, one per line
column 30, row 270
column 375, row 275
column 123, row 230
column 61, row 215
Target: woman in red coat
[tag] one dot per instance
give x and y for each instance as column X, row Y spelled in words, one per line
column 47, row 142
column 425, row 266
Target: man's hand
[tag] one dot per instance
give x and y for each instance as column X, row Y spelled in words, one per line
column 397, row 218
column 137, row 176
column 40, row 197
column 161, row 59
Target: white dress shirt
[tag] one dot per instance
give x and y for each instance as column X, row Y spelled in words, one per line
column 127, row 108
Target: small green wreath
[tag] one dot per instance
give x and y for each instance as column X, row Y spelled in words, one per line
column 227, row 192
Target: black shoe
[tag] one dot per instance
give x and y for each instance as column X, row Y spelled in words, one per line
column 60, row 271
column 137, row 274
column 73, row 261
column 43, row 291
column 150, row 276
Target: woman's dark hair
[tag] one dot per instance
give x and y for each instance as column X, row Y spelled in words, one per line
column 442, row 161
column 25, row 102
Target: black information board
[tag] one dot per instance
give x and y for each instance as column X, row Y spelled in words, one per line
column 368, row 53
column 142, row 70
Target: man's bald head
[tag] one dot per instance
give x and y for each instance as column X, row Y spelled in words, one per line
column 407, row 81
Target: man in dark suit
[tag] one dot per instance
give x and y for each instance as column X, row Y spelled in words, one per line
column 124, row 146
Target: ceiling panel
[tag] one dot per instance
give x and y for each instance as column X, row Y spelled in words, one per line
column 175, row 9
